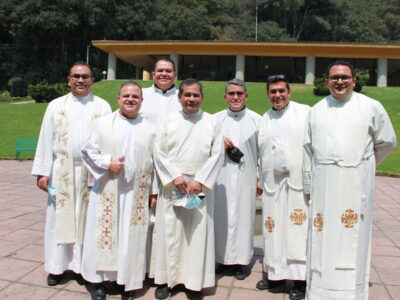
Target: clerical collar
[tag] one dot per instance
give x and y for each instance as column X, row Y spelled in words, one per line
column 86, row 98
column 236, row 114
column 343, row 100
column 127, row 119
column 185, row 115
column 281, row 111
column 171, row 90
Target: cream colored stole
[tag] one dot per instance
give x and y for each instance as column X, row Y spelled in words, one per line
column 108, row 208
column 296, row 224
column 347, row 178
column 64, row 178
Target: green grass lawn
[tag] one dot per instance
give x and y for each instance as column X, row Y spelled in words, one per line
column 24, row 120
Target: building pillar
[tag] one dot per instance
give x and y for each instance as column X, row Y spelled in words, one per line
column 145, row 75
column 175, row 58
column 310, row 69
column 382, row 72
column 112, row 66
column 240, row 66
column 138, row 71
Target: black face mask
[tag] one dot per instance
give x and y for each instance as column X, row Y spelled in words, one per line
column 234, row 154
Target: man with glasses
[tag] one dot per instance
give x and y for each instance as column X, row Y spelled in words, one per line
column 61, row 173
column 235, row 189
column 285, row 208
column 347, row 135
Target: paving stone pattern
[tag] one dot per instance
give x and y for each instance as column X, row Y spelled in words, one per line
column 22, row 217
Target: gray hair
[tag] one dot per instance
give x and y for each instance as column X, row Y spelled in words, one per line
column 236, row 81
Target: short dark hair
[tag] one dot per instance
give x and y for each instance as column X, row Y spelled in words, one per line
column 130, row 82
column 164, row 58
column 278, row 78
column 80, row 63
column 188, row 82
column 236, row 81
column 340, row 63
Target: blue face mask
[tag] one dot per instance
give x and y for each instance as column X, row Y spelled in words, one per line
column 51, row 190
column 194, row 201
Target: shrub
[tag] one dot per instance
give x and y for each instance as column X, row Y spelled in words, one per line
column 17, row 87
column 321, row 89
column 45, row 92
column 362, row 79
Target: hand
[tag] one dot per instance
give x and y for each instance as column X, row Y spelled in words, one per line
column 259, row 190
column 153, row 200
column 42, row 182
column 227, row 143
column 180, row 184
column 194, row 187
column 116, row 165
column 308, row 196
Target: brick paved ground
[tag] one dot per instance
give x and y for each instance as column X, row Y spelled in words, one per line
column 22, row 218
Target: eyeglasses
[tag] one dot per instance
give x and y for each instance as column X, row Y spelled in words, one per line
column 343, row 77
column 83, row 76
column 276, row 77
column 238, row 93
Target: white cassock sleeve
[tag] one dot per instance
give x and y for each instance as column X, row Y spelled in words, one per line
column 165, row 169
column 96, row 162
column 307, row 158
column 43, row 162
column 384, row 135
column 207, row 175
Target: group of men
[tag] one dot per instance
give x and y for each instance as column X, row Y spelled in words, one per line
column 160, row 187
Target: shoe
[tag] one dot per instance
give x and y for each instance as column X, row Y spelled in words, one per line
column 194, row 295
column 276, row 286
column 297, row 294
column 124, row 294
column 298, row 291
column 53, row 279
column 162, row 292
column 79, row 279
column 240, row 272
column 99, row 292
column 262, row 284
column 127, row 294
column 219, row 268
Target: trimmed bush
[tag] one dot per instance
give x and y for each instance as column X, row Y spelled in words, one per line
column 45, row 92
column 17, row 87
column 321, row 89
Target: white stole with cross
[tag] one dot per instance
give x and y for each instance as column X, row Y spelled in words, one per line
column 64, row 178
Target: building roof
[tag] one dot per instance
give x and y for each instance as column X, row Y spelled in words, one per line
column 124, row 49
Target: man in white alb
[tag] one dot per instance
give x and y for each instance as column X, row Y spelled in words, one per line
column 188, row 158
column 119, row 155
column 60, row 171
column 235, row 189
column 285, row 207
column 161, row 99
column 347, row 135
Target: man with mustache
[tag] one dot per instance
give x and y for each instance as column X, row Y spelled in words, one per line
column 61, row 173
column 188, row 157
